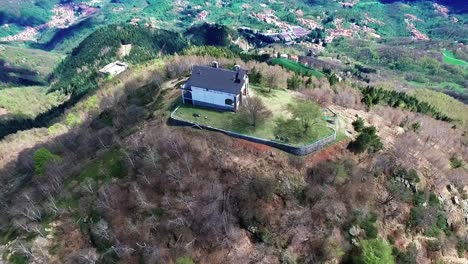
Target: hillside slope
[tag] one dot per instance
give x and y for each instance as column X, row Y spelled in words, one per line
column 113, row 182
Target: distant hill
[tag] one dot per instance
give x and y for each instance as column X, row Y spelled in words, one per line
column 25, row 66
column 456, row 6
column 100, row 48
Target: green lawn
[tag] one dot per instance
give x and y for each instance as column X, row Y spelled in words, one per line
column 297, row 68
column 450, row 58
column 276, row 101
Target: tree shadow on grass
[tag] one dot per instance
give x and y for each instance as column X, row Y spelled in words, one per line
column 240, row 126
column 264, row 92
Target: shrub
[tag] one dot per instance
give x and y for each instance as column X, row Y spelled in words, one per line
column 433, row 200
column 415, row 126
column 462, row 247
column 358, row 124
column 369, row 226
column 433, row 231
column 41, row 158
column 370, row 229
column 263, row 187
column 408, row 256
column 430, row 217
column 375, row 251
column 419, row 198
column 367, row 140
column 410, row 175
column 367, row 223
column 455, row 162
column 288, row 257
column 434, row 245
column 17, row 258
column 72, row 119
column 185, row 260
column 211, row 51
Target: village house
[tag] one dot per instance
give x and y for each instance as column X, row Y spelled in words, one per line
column 215, row 87
column 294, row 58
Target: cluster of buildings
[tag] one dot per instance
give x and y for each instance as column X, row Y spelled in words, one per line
column 289, row 33
column 288, row 36
column 417, row 35
column 349, row 4
column 63, row 16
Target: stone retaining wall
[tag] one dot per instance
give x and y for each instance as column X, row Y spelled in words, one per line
column 300, row 151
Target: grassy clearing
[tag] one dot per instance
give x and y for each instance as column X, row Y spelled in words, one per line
column 440, row 86
column 27, row 102
column 276, row 100
column 444, row 103
column 109, row 166
column 12, row 29
column 34, row 60
column 450, row 58
column 297, row 68
column 104, row 169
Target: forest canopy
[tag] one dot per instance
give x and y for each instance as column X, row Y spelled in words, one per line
column 77, row 73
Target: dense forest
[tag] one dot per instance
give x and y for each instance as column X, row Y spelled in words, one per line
column 77, row 74
column 210, row 34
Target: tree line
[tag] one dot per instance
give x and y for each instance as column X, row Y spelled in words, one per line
column 373, row 96
column 77, row 74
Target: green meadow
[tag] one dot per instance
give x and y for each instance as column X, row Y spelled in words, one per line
column 449, row 57
column 297, row 68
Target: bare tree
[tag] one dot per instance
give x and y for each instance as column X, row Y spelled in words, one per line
column 348, row 97
column 253, row 111
column 321, row 96
column 28, row 208
column 23, row 249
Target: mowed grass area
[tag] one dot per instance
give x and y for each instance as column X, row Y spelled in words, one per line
column 450, row 58
column 276, row 100
column 27, row 102
column 446, row 104
column 297, row 68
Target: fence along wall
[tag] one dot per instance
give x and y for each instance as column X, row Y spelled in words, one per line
column 300, row 151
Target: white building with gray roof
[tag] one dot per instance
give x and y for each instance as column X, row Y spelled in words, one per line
column 216, row 88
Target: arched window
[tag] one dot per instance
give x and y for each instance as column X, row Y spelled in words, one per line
column 229, row 101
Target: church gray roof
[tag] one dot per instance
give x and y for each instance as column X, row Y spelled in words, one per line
column 217, row 79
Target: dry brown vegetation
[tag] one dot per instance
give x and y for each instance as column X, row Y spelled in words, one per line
column 160, row 192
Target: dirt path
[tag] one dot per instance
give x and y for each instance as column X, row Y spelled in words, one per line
column 3, row 112
column 385, row 129
column 172, row 83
